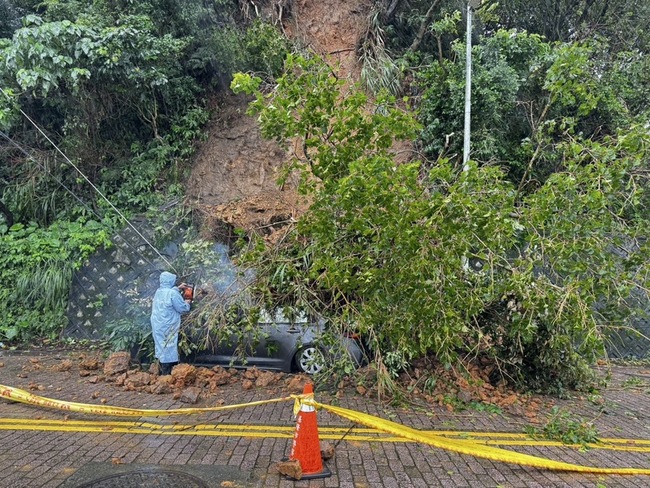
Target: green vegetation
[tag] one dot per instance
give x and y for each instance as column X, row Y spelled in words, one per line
column 131, row 335
column 634, row 383
column 120, row 88
column 384, row 246
column 524, row 259
column 36, row 267
column 565, row 427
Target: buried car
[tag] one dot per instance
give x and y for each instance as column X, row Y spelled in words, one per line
column 278, row 343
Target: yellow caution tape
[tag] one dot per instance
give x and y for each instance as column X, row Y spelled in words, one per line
column 470, row 447
column 287, row 432
column 463, row 446
column 18, row 395
column 299, row 400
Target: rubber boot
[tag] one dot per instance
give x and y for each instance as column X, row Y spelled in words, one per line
column 166, row 368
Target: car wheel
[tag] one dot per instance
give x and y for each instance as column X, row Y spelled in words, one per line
column 309, row 360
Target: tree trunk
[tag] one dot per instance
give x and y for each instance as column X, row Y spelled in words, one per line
column 423, row 27
column 390, row 11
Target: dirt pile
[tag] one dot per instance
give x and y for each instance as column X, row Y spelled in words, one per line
column 429, row 384
column 331, row 28
column 188, row 383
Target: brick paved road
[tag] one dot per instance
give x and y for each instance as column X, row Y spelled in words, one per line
column 49, row 458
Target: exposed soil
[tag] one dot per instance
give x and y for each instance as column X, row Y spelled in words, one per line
column 331, row 28
column 233, row 179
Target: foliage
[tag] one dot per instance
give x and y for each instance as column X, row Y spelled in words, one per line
column 37, row 265
column 527, row 93
column 127, row 335
column 527, row 257
column 113, row 81
column 139, row 184
column 333, row 129
column 567, row 428
column 265, row 48
column 118, row 85
column 222, row 53
column 386, row 246
column 31, row 192
column 10, row 18
column 378, row 70
column 624, row 22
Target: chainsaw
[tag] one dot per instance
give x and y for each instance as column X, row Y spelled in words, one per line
column 187, row 290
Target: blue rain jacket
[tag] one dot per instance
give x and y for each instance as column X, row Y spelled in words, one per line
column 168, row 305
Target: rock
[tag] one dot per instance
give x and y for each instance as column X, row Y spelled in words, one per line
column 119, row 380
column 90, row 364
column 327, row 451
column 251, row 374
column 221, row 376
column 265, row 378
column 247, row 384
column 464, row 396
column 162, row 385
column 297, row 384
column 65, row 365
column 190, row 395
column 137, row 380
column 184, row 375
column 93, row 379
column 291, row 469
column 508, row 400
column 204, row 378
column 117, row 363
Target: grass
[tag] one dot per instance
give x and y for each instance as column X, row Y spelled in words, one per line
column 565, row 427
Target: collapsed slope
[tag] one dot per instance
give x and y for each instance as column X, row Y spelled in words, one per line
column 233, row 178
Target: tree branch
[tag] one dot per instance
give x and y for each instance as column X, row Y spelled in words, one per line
column 390, row 11
column 423, row 27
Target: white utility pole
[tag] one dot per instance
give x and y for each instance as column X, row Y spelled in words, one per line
column 471, row 5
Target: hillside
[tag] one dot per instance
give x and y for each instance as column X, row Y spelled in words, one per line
column 233, row 178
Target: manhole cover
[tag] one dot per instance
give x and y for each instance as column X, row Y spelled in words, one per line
column 145, row 478
column 104, row 475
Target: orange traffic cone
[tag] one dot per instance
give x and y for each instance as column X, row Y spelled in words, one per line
column 306, row 445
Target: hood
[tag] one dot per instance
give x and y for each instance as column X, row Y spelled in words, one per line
column 167, row 280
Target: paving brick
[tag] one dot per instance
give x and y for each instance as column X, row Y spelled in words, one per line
column 36, row 459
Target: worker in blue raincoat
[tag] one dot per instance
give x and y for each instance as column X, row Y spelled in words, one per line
column 168, row 305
